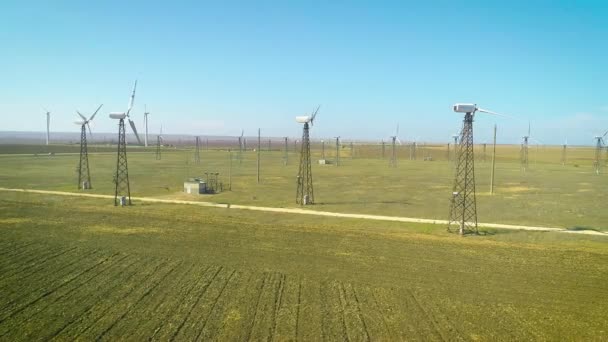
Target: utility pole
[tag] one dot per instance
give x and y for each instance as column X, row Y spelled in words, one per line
column 286, row 156
column 322, row 149
column 493, row 163
column 230, row 170
column 259, row 145
column 337, row 151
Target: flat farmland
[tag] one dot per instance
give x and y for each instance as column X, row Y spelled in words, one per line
column 548, row 194
column 83, row 269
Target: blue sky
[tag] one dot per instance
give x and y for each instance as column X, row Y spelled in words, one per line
column 212, row 68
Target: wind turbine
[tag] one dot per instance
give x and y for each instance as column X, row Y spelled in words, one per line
column 523, row 153
column 463, row 206
column 337, row 150
column 241, row 145
column 305, row 193
column 146, row 113
column 394, row 140
column 84, row 175
column 121, row 178
column 159, row 142
column 598, row 151
column 48, row 125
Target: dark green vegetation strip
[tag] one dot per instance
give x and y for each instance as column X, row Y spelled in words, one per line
column 80, row 269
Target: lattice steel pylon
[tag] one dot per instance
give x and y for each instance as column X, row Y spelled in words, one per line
column 197, row 152
column 523, row 153
column 84, row 175
column 305, row 193
column 463, row 207
column 121, row 179
column 393, row 160
column 597, row 163
column 158, row 145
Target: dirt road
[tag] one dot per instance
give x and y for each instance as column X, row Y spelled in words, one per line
column 309, row 212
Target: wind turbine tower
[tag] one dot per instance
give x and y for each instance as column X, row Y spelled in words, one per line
column 146, row 113
column 241, row 145
column 564, row 150
column 524, row 150
column 159, row 140
column 84, row 175
column 337, row 151
column 394, row 141
column 305, row 193
column 197, row 152
column 122, row 190
column 599, row 142
column 48, row 126
column 463, row 206
column 455, row 137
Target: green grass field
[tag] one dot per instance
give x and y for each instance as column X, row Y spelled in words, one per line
column 548, row 194
column 80, row 268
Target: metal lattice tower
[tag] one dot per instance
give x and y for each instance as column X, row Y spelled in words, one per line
column 598, row 155
column 523, row 154
column 413, row 151
column 564, row 149
column 463, row 207
column 393, row 160
column 383, row 148
column 121, row 178
column 84, row 176
column 158, row 155
column 305, row 193
column 239, row 155
column 448, row 153
column 197, row 151
column 337, row 151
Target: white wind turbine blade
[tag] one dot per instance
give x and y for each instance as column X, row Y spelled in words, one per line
column 604, row 135
column 134, row 130
column 398, row 140
column 84, row 118
column 490, row 112
column 314, row 114
column 98, row 108
column 132, row 98
column 89, row 127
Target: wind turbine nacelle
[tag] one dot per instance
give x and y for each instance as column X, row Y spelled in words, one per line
column 465, row 108
column 118, row 116
column 303, row 119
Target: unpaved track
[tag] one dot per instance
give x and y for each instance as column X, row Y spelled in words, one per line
column 309, row 212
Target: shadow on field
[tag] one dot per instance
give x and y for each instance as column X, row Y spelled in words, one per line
column 579, row 228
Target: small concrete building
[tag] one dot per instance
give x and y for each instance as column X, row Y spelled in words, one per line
column 195, row 186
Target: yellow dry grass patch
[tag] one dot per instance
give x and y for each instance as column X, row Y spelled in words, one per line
column 124, row 231
column 516, row 188
column 14, row 220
